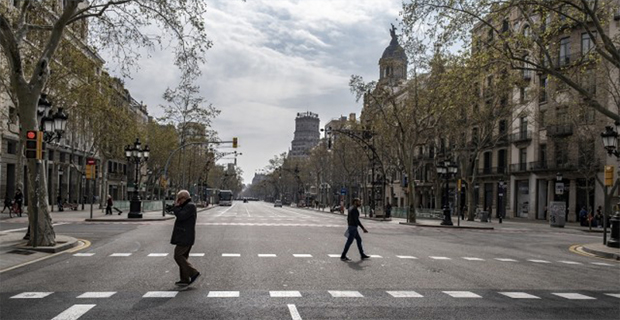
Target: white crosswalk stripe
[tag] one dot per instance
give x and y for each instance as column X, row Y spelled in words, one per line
column 473, row 259
column 462, row 294
column 104, row 294
column 616, row 295
column 602, row 264
column 538, row 261
column 404, row 294
column 223, row 294
column 505, row 260
column 196, row 254
column 157, row 254
column 267, row 255
column 440, row 258
column 31, row 295
column 375, row 256
column 302, row 255
column 120, row 255
column 570, row 262
column 74, row 312
column 573, row 296
column 346, row 294
column 406, row 257
column 160, row 294
column 284, row 294
column 334, row 255
column 519, row 295
column 84, row 254
column 231, row 255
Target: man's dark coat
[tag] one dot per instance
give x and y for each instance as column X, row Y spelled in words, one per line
column 184, row 232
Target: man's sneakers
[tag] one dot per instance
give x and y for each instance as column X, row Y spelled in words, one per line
column 181, row 284
column 194, row 277
column 365, row 256
column 346, row 259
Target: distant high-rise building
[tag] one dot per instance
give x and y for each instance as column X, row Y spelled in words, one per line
column 306, row 134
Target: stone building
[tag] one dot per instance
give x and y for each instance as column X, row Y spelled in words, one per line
column 306, row 136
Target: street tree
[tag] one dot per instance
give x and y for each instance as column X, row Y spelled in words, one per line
column 116, row 25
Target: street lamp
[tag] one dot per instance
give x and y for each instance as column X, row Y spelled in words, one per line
column 448, row 168
column 500, row 200
column 136, row 155
column 52, row 125
column 610, row 143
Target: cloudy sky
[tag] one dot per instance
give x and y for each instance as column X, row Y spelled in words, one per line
column 273, row 58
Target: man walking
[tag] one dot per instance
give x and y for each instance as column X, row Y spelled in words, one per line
column 353, row 220
column 183, row 237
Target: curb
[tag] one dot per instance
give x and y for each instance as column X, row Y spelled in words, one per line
column 55, row 249
column 449, row 227
column 377, row 219
column 129, row 220
column 601, row 254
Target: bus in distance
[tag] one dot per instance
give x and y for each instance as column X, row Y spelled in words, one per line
column 225, row 197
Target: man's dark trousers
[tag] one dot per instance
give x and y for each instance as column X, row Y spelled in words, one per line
column 353, row 234
column 181, row 254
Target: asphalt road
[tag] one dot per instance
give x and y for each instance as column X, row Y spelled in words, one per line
column 260, row 262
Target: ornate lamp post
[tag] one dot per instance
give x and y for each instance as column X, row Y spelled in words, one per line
column 136, row 155
column 610, row 143
column 53, row 125
column 448, row 168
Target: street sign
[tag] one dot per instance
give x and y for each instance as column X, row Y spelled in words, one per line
column 343, row 191
column 559, row 188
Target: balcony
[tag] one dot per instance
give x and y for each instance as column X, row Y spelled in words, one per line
column 538, row 166
column 560, row 130
column 521, row 136
column 491, row 171
column 551, row 165
column 518, row 167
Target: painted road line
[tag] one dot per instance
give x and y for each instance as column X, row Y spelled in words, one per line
column 505, row 260
column 196, row 254
column 223, row 294
column 31, row 295
column 519, row 295
column 538, row 261
column 404, row 294
column 440, row 258
column 231, row 255
column 294, row 313
column 103, row 294
column 615, row 295
column 462, row 294
column 120, row 255
column 406, row 257
column 303, row 255
column 158, row 254
column 375, row 256
column 573, row 296
column 24, row 229
column 569, row 262
column 473, row 259
column 346, row 294
column 84, row 254
column 74, row 312
column 267, row 255
column 602, row 264
column 285, row 294
column 334, row 255
column 160, row 294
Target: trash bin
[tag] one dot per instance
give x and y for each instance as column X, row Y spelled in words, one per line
column 484, row 216
column 557, row 214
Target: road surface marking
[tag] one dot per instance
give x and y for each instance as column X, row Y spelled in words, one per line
column 160, row 294
column 196, row 254
column 538, row 261
column 226, row 210
column 231, row 255
column 267, row 255
column 570, row 262
column 294, row 313
column 223, row 294
column 440, row 258
column 74, row 312
column 84, row 254
column 31, row 295
column 615, row 295
column 602, row 264
column 404, row 294
column 157, row 254
column 375, row 256
column 573, row 296
column 24, row 229
column 505, row 260
column 462, row 294
column 473, row 259
column 346, row 294
column 334, row 255
column 284, row 294
column 407, row 257
column 246, row 210
column 519, row 295
column 303, row 255
column 120, row 255
column 97, row 294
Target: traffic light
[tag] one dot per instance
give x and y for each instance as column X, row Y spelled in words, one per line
column 234, row 142
column 609, row 176
column 34, row 145
column 91, row 169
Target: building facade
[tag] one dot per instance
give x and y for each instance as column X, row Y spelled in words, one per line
column 306, row 136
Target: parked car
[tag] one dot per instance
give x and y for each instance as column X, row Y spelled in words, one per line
column 277, row 203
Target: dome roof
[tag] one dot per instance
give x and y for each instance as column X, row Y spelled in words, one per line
column 394, row 51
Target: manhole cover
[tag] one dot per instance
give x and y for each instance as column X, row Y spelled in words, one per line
column 24, row 252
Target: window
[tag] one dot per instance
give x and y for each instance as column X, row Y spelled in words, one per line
column 587, row 43
column 522, row 158
column 522, row 97
column 542, row 118
column 523, row 127
column 11, row 147
column 562, row 114
column 502, row 127
column 564, row 52
column 561, row 156
column 542, row 156
column 487, row 162
column 527, row 69
column 501, row 161
column 505, row 26
column 50, row 155
column 62, row 157
column 542, row 96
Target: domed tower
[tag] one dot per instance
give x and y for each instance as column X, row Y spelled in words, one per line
column 393, row 62
column 307, row 134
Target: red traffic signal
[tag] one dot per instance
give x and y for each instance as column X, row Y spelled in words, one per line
column 31, row 135
column 91, row 161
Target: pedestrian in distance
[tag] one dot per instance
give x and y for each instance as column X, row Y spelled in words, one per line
column 8, row 202
column 353, row 221
column 388, row 210
column 18, row 200
column 598, row 218
column 183, row 236
column 583, row 217
column 59, row 203
column 109, row 204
